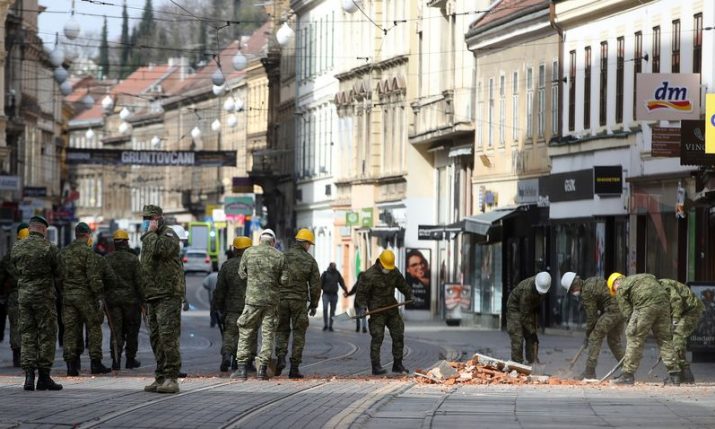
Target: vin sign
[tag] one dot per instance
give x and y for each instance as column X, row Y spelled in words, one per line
column 156, row 158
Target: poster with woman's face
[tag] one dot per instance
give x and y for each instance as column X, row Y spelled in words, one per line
column 418, row 276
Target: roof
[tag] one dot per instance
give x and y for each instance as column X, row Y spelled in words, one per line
column 142, row 79
column 504, row 9
column 93, row 113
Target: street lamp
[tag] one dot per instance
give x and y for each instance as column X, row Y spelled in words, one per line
column 284, row 34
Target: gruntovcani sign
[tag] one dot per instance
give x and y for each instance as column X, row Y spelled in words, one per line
column 156, row 158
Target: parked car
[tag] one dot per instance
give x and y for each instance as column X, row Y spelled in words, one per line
column 197, row 260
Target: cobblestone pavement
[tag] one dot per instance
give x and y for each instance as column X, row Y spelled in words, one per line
column 338, row 391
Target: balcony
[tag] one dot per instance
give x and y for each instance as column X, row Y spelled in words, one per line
column 435, row 118
column 271, row 163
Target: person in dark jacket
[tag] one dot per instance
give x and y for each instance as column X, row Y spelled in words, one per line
column 360, row 321
column 329, row 282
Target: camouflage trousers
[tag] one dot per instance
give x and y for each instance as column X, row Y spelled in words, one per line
column 393, row 321
column 75, row 312
column 292, row 316
column 126, row 321
column 681, row 332
column 520, row 334
column 13, row 314
column 231, row 334
column 609, row 326
column 655, row 319
column 164, row 316
column 253, row 318
column 38, row 329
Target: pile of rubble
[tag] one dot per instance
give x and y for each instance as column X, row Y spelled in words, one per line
column 483, row 369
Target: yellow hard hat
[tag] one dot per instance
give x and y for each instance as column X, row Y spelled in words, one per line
column 120, row 234
column 241, row 242
column 387, row 259
column 23, row 233
column 611, row 281
column 305, row 234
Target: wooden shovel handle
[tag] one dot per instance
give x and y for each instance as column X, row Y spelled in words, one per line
column 381, row 309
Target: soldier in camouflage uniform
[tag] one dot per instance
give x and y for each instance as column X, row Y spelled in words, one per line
column 38, row 266
column 686, row 310
column 163, row 289
column 8, row 278
column 521, row 316
column 303, row 284
column 264, row 268
column 83, row 294
column 376, row 289
column 124, row 299
column 645, row 304
column 229, row 300
column 603, row 318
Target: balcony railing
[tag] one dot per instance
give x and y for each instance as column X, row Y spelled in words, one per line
column 434, row 117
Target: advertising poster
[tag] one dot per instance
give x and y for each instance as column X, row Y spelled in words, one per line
column 418, row 276
column 703, row 338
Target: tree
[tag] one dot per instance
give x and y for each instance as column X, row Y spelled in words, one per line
column 125, row 42
column 104, row 51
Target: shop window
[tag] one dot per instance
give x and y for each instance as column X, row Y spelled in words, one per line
column 698, row 43
column 637, row 64
column 487, row 278
column 662, row 245
column 656, row 49
column 587, row 88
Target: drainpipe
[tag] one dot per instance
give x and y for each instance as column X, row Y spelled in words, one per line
column 560, row 31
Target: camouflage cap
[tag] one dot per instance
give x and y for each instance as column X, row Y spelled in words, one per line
column 22, row 226
column 82, row 228
column 152, row 210
column 40, row 219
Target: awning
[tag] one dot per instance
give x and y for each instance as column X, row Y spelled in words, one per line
column 481, row 224
column 387, row 232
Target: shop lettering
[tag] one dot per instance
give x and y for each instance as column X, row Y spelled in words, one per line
column 570, row 185
column 695, row 147
column 674, row 98
column 158, row 158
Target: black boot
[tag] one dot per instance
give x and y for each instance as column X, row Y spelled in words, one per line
column 377, row 369
column 225, row 363
column 294, row 372
column 280, row 364
column 29, row 379
column 686, row 376
column 16, row 358
column 98, row 368
column 182, row 375
column 672, row 380
column 72, row 368
column 588, row 372
column 132, row 363
column 44, row 382
column 397, row 367
column 262, row 373
column 330, row 327
column 625, row 379
column 240, row 373
column 357, row 329
column 325, row 328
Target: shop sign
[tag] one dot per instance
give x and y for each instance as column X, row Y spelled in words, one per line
column 571, row 186
column 352, row 219
column 156, row 158
column 9, row 183
column 527, row 191
column 241, row 185
column 366, row 217
column 608, row 180
column 436, row 232
column 703, row 337
column 669, row 97
column 235, row 205
column 665, row 142
column 692, row 144
column 710, row 123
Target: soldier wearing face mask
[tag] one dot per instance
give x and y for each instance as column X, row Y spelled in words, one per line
column 603, row 318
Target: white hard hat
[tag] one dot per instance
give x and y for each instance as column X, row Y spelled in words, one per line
column 268, row 232
column 567, row 280
column 543, row 282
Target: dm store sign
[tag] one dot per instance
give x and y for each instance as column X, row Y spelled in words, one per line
column 668, row 97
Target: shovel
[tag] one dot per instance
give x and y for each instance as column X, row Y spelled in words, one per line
column 575, row 358
column 351, row 314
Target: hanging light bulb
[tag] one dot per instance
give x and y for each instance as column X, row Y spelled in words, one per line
column 155, row 141
column 124, row 127
column 71, row 28
column 89, row 134
column 66, row 88
column 349, row 6
column 60, row 75
column 238, row 105
column 71, row 55
column 216, row 125
column 218, row 78
column 88, row 101
column 239, row 61
column 284, row 34
column 229, row 105
column 57, row 56
column 219, row 90
column 231, row 120
column 196, row 133
column 107, row 104
column 124, row 114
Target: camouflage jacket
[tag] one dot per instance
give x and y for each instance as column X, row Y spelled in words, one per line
column 597, row 300
column 162, row 272
column 303, row 276
column 641, row 290
column 230, row 293
column 376, row 289
column 8, row 277
column 524, row 302
column 38, row 266
column 682, row 299
column 82, row 271
column 125, row 289
column 264, row 269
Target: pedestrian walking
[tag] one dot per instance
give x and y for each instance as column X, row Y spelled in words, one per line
column 686, row 310
column 645, row 304
column 376, row 289
column 298, row 298
column 330, row 280
column 359, row 321
column 38, row 266
column 603, row 318
column 163, row 289
column 83, row 298
column 264, row 268
column 228, row 302
column 124, row 301
column 8, row 281
column 521, row 318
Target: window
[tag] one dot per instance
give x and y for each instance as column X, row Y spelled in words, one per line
column 480, row 115
column 515, row 106
column 698, row 43
column 554, row 97
column 572, row 91
column 502, row 110
column 529, row 104
column 603, row 89
column 490, row 118
column 587, row 89
column 656, row 49
column 637, row 64
column 675, row 44
column 620, row 58
column 542, row 99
